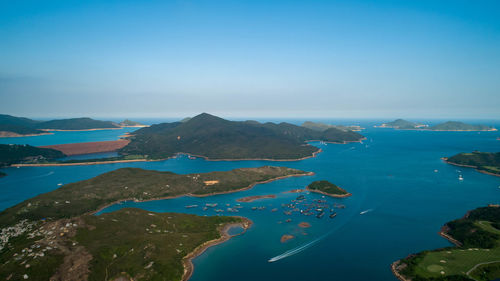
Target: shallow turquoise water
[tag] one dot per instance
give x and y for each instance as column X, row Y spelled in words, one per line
column 62, row 137
column 391, row 173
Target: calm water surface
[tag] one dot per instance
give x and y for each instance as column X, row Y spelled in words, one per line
column 392, row 174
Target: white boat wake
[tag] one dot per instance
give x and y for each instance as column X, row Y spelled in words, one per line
column 298, row 249
column 366, row 211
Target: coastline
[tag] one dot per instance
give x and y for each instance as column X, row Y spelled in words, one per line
column 395, row 271
column 255, row 197
column 314, row 154
column 445, row 159
column 162, row 159
column 442, row 233
column 331, row 195
column 5, row 134
column 83, row 130
column 344, row 142
column 199, row 195
column 187, row 261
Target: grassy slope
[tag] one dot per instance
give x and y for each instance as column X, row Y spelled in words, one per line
column 486, row 161
column 89, row 195
column 327, row 187
column 474, row 234
column 216, row 138
column 139, row 239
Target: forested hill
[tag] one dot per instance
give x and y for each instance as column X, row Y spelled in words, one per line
column 216, row 138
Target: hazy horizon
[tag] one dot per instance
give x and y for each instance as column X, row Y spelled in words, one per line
column 329, row 59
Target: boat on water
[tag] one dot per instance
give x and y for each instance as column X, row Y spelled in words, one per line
column 190, row 206
column 365, row 211
column 332, row 215
column 460, row 178
column 320, row 215
column 191, row 157
column 211, row 205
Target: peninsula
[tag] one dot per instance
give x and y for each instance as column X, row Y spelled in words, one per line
column 475, row 257
column 215, row 138
column 485, row 162
column 327, row 188
column 66, row 241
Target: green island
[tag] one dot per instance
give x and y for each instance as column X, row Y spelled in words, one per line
column 11, row 126
column 475, row 257
column 485, row 162
column 130, row 123
column 327, row 188
column 17, row 153
column 401, row 124
column 460, row 126
column 215, row 138
column 323, row 127
column 56, row 236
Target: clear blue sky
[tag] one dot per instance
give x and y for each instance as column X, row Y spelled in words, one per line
column 417, row 59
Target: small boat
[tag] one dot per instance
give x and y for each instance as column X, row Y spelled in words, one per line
column 190, row 206
column 191, row 157
column 320, row 215
column 59, row 184
column 460, row 178
column 332, row 215
column 365, row 211
column 211, row 205
column 301, row 197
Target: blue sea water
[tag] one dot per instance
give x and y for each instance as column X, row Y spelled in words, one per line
column 391, row 174
column 62, row 137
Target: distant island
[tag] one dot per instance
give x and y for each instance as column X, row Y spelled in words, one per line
column 485, row 162
column 15, row 153
column 327, row 188
column 475, row 257
column 130, row 123
column 401, row 124
column 460, row 126
column 2, row 174
column 215, row 138
column 323, row 127
column 66, row 239
column 11, row 126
